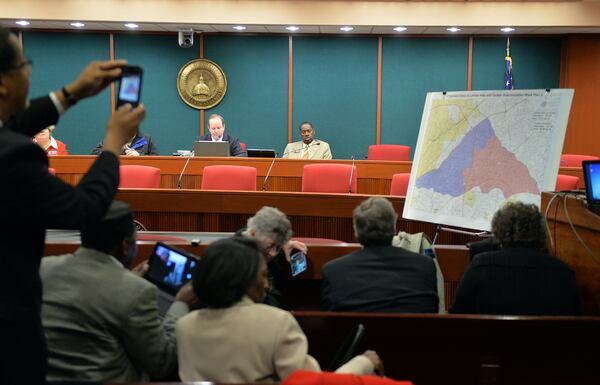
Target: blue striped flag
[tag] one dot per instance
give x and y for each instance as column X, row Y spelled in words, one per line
column 508, row 76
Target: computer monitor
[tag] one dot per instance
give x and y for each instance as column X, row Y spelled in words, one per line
column 261, row 153
column 591, row 174
column 210, row 148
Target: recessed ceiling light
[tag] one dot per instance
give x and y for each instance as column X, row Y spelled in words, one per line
column 292, row 28
column 507, row 29
column 239, row 27
column 77, row 24
column 400, row 29
column 453, row 29
column 22, row 23
column 131, row 25
column 347, row 29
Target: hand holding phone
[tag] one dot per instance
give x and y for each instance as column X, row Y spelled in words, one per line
column 298, row 263
column 130, row 86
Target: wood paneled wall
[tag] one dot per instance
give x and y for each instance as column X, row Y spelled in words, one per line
column 580, row 70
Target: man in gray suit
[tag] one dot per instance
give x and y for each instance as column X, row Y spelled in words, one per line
column 101, row 320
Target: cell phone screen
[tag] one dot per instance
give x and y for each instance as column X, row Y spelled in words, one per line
column 130, row 86
column 299, row 263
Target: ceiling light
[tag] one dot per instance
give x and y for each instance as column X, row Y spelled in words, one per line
column 77, row 24
column 239, row 27
column 131, row 25
column 400, row 29
column 347, row 29
column 292, row 28
column 453, row 29
column 507, row 29
column 22, row 23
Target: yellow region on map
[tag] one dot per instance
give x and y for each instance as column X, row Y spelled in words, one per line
column 443, row 128
column 469, row 198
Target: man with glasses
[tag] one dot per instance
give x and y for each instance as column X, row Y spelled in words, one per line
column 273, row 230
column 32, row 200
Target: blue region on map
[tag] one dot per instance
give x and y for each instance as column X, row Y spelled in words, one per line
column 448, row 178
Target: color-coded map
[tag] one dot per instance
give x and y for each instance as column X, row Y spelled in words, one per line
column 478, row 149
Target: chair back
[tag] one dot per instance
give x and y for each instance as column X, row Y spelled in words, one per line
column 329, row 178
column 400, row 184
column 348, row 348
column 566, row 182
column 574, row 160
column 225, row 177
column 137, row 176
column 396, row 152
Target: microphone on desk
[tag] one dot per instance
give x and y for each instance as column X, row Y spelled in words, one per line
column 264, row 186
column 300, row 149
column 351, row 174
column 183, row 170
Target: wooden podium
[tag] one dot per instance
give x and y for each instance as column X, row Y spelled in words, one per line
column 572, row 227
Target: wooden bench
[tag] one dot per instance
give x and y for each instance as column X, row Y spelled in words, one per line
column 466, row 349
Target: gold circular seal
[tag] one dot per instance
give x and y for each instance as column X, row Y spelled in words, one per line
column 201, row 84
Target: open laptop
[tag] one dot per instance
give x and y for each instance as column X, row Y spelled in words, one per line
column 170, row 269
column 261, row 153
column 591, row 174
column 210, row 148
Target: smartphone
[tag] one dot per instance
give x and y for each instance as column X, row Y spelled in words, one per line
column 299, row 264
column 130, row 86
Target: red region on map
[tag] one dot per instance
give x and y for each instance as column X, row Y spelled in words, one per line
column 495, row 167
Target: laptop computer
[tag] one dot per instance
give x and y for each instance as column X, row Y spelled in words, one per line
column 261, row 153
column 210, row 148
column 591, row 174
column 170, row 269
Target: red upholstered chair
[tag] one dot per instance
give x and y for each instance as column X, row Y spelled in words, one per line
column 135, row 176
column 400, row 184
column 388, row 152
column 229, row 178
column 574, row 160
column 51, row 171
column 243, row 146
column 566, row 182
column 328, row 178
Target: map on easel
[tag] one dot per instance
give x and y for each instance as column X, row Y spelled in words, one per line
column 478, row 149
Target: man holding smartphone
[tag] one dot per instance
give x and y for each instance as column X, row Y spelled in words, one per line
column 33, row 200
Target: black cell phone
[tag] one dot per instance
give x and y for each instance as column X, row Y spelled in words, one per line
column 298, row 262
column 130, row 86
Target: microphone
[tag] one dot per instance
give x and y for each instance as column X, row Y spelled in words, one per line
column 183, row 170
column 351, row 174
column 264, row 186
column 300, row 149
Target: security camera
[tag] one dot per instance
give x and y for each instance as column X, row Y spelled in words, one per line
column 185, row 38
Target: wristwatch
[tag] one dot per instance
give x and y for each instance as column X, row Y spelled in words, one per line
column 70, row 98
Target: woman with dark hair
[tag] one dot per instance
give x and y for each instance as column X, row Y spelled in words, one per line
column 236, row 339
column 520, row 278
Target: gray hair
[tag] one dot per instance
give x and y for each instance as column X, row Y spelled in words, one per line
column 374, row 222
column 271, row 222
column 517, row 223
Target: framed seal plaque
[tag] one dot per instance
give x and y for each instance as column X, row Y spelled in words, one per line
column 201, row 84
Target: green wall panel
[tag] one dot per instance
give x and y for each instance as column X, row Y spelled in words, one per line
column 536, row 62
column 58, row 60
column 255, row 105
column 335, row 87
column 411, row 67
column 173, row 125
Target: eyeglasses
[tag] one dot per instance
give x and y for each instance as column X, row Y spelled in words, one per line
column 273, row 248
column 25, row 63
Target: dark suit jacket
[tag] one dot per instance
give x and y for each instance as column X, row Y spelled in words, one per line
column 235, row 149
column 144, row 144
column 517, row 281
column 32, row 200
column 380, row 279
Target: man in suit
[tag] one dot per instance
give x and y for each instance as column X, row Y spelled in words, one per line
column 32, row 200
column 308, row 147
column 141, row 144
column 101, row 320
column 216, row 126
column 380, row 277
